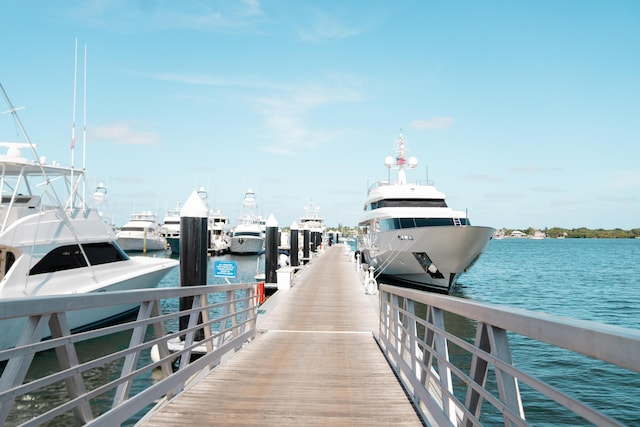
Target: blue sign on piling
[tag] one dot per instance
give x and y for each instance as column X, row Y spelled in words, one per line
column 224, row 269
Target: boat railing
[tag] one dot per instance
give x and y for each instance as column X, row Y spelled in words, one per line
column 456, row 379
column 215, row 321
column 388, row 183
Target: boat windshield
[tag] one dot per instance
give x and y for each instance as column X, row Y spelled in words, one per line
column 246, row 233
column 70, row 256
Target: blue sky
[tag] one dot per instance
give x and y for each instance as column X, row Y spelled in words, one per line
column 524, row 113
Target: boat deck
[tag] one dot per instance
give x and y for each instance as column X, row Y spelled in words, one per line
column 314, row 362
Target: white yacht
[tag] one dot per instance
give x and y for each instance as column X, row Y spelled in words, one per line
column 170, row 228
column 218, row 229
column 141, row 233
column 315, row 224
column 52, row 243
column 411, row 237
column 248, row 235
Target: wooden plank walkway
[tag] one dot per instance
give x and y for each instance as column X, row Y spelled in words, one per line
column 314, row 363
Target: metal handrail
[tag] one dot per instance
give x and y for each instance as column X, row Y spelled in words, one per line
column 414, row 337
column 226, row 314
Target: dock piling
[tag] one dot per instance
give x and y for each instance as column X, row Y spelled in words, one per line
column 293, row 245
column 193, row 252
column 271, row 251
column 305, row 245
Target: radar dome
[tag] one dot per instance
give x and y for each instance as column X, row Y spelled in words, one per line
column 413, row 162
column 388, row 161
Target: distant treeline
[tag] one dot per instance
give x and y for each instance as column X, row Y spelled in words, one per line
column 584, row 233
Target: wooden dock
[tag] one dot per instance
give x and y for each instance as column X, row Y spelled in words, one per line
column 314, row 363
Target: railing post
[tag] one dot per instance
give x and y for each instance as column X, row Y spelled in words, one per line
column 478, row 372
column 16, row 368
column 68, row 358
column 204, row 300
column 507, row 384
column 444, row 372
column 131, row 360
column 159, row 332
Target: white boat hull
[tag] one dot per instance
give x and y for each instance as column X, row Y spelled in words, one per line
column 246, row 244
column 133, row 243
column 425, row 257
column 140, row 273
column 53, row 243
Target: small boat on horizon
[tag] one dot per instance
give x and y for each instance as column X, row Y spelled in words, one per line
column 411, row 237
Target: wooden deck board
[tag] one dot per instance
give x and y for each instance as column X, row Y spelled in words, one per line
column 314, row 363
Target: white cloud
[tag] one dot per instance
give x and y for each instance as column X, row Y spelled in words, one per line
column 286, row 109
column 432, row 123
column 287, row 113
column 204, row 79
column 484, row 178
column 625, row 180
column 548, row 190
column 326, row 27
column 123, row 133
column 153, row 15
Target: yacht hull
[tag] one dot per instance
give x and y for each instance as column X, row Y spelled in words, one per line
column 174, row 244
column 140, row 244
column 428, row 258
column 139, row 273
column 248, row 245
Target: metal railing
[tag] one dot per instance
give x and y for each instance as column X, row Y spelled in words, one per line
column 219, row 319
column 418, row 340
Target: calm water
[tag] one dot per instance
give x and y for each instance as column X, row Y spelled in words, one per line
column 588, row 279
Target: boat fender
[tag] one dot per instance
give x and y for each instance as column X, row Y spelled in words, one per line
column 155, row 353
column 371, row 286
column 260, row 292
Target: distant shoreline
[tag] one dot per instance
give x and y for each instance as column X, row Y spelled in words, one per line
column 574, row 233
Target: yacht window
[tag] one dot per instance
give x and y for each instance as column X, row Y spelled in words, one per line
column 398, row 223
column 10, row 258
column 70, row 256
column 409, row 203
column 133, row 228
column 407, row 223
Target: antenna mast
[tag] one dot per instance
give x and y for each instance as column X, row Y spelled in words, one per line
column 84, row 129
column 73, row 118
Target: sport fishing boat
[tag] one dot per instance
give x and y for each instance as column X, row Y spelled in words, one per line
column 52, row 243
column 411, row 237
column 247, row 237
